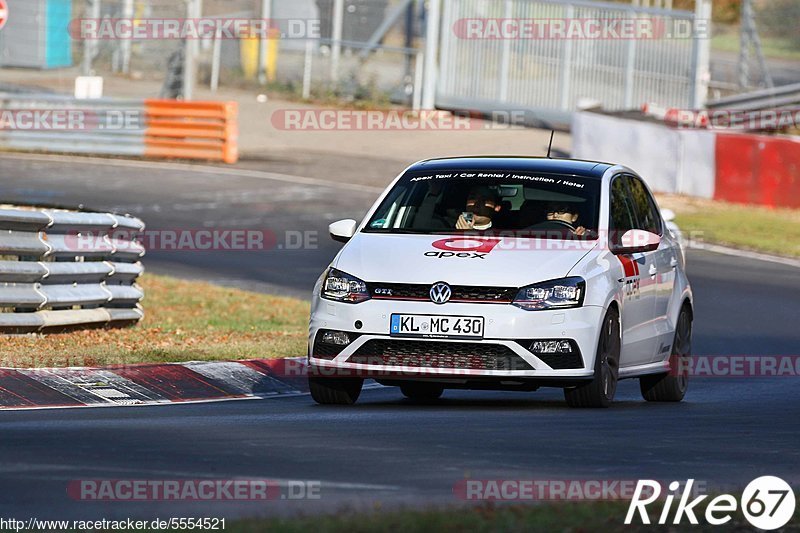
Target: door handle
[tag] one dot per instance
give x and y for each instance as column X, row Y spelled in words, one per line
column 653, row 271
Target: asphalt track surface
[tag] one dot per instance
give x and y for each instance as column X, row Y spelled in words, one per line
column 385, row 449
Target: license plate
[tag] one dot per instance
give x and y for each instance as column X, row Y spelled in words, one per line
column 435, row 326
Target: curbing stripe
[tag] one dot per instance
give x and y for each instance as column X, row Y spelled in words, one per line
column 241, row 378
column 150, row 384
column 176, row 382
column 19, row 390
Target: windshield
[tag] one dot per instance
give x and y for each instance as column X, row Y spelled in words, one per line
column 525, row 204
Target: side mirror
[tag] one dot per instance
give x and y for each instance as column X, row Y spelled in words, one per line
column 637, row 241
column 343, row 230
column 668, row 215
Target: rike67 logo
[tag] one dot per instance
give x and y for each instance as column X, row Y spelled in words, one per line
column 767, row 502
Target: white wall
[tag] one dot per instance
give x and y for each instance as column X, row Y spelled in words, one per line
column 671, row 160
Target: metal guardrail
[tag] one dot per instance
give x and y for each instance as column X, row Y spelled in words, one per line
column 785, row 96
column 62, row 268
column 138, row 128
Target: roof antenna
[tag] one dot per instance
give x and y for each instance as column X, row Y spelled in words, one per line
column 550, row 146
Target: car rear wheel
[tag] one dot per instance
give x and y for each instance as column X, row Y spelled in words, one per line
column 672, row 386
column 600, row 391
column 422, row 392
column 335, row 391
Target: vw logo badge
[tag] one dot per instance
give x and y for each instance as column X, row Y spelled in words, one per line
column 440, row 293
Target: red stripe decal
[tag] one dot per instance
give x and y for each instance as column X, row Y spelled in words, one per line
column 629, row 265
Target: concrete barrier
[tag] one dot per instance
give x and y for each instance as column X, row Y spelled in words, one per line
column 722, row 165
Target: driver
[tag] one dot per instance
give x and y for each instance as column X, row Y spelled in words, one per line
column 566, row 214
column 483, row 203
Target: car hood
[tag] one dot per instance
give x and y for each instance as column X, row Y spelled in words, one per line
column 494, row 262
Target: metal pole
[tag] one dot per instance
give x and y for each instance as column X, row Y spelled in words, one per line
column 125, row 45
column 566, row 64
column 263, row 48
column 702, row 54
column 307, row 69
column 216, row 58
column 419, row 65
column 756, row 40
column 630, row 64
column 505, row 60
column 90, row 45
column 336, row 38
column 431, row 54
column 194, row 10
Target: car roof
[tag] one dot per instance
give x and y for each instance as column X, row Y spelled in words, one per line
column 573, row 167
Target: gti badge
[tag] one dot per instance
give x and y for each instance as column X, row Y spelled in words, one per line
column 440, row 293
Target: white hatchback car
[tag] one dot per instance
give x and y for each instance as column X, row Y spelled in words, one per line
column 504, row 273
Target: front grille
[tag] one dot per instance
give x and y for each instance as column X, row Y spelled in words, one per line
column 323, row 350
column 436, row 354
column 460, row 294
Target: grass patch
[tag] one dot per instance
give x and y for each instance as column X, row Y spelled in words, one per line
column 762, row 229
column 184, row 321
column 562, row 517
column 774, row 47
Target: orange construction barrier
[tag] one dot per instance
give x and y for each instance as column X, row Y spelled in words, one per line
column 192, row 130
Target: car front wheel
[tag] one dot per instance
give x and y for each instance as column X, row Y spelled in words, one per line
column 600, row 391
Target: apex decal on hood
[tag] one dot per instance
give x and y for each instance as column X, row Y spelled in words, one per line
column 463, row 247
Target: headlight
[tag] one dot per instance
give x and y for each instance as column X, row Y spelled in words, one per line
column 555, row 294
column 344, row 287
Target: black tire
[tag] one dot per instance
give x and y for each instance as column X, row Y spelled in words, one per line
column 422, row 392
column 672, row 386
column 335, row 391
column 601, row 390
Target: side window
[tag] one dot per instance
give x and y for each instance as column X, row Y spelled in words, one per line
column 646, row 211
column 622, row 213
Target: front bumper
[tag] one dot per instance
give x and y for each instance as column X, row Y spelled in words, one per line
column 503, row 353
